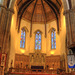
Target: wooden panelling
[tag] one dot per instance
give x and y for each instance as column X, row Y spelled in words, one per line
column 53, row 62
column 21, row 61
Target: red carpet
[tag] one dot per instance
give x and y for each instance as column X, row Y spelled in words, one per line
column 32, row 74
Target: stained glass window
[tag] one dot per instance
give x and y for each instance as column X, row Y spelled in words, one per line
column 53, row 39
column 22, row 41
column 38, row 40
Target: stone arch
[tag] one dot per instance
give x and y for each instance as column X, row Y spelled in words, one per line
column 51, row 29
column 70, row 51
column 68, row 4
column 12, row 3
column 65, row 4
column 39, row 31
column 26, row 29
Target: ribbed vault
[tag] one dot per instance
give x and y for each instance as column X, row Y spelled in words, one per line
column 39, row 11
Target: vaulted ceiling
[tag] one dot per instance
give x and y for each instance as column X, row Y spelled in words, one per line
column 39, row 10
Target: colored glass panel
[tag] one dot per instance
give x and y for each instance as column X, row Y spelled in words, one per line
column 22, row 41
column 53, row 39
column 38, row 41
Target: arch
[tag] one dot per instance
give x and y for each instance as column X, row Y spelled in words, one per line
column 39, row 31
column 51, row 29
column 70, row 52
column 38, row 40
column 12, row 4
column 25, row 28
column 65, row 4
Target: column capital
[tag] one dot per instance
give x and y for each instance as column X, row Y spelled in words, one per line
column 11, row 10
column 68, row 11
column 7, row 9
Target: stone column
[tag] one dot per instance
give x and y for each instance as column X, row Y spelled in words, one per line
column 5, row 24
column 70, row 29
column 70, row 25
column 69, row 13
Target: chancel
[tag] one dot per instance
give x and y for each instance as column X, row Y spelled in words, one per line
column 37, row 37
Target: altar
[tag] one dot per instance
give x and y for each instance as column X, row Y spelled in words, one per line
column 37, row 59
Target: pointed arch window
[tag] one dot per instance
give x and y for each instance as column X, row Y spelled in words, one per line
column 53, row 39
column 38, row 40
column 22, row 41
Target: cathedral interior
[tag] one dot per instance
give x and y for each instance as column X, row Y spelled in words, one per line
column 37, row 37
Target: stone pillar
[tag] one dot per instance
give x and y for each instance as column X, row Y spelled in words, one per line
column 69, row 12
column 70, row 25
column 70, row 29
column 65, row 4
column 5, row 24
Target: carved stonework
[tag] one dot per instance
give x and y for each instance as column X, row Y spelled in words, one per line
column 37, row 59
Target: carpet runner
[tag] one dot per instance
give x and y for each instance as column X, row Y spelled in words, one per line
column 31, row 74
